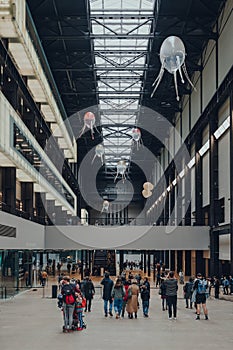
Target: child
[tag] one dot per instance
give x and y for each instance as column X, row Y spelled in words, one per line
column 78, row 311
column 162, row 292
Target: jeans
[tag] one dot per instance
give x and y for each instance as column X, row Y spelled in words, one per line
column 172, row 304
column 80, row 319
column 106, row 306
column 118, row 305
column 145, row 307
column 68, row 315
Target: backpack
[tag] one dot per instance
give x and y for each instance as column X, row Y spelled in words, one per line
column 201, row 287
column 68, row 294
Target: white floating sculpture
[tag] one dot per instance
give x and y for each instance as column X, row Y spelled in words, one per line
column 105, row 206
column 172, row 56
column 136, row 136
column 147, row 188
column 89, row 122
column 99, row 152
column 121, row 169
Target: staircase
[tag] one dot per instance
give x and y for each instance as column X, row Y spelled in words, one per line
column 105, row 259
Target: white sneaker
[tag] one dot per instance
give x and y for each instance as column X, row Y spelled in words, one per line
column 174, row 318
column 170, row 318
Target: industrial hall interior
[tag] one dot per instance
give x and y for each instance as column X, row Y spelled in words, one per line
column 116, row 138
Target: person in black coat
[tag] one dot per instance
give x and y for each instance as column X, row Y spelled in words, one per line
column 107, row 284
column 145, row 295
column 88, row 290
column 216, row 287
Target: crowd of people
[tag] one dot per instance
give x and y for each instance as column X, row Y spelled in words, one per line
column 123, row 295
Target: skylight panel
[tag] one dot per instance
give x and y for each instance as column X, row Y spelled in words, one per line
column 120, row 58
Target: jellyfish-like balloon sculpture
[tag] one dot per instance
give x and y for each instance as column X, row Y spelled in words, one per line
column 172, row 56
column 99, row 152
column 121, row 169
column 105, row 206
column 147, row 188
column 136, row 136
column 89, row 122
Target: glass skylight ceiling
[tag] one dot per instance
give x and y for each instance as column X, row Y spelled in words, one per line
column 120, row 30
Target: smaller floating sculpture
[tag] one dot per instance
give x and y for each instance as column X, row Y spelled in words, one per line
column 105, row 206
column 121, row 169
column 136, row 136
column 99, row 152
column 147, row 188
column 89, row 122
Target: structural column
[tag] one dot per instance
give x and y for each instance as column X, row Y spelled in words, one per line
column 214, row 207
column 231, row 180
column 27, row 197
column 198, row 181
column 9, row 188
column 39, row 205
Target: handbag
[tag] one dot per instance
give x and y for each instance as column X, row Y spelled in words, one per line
column 129, row 293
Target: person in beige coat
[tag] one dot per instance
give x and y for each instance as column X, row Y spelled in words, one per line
column 132, row 303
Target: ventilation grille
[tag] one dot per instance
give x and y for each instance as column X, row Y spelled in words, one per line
column 7, row 231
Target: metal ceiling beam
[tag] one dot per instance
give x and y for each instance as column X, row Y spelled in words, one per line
column 118, row 77
column 103, row 68
column 88, row 36
column 119, row 111
column 120, row 52
column 103, row 93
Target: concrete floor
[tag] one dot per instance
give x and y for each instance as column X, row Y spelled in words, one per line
column 31, row 321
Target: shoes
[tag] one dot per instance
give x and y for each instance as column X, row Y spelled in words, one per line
column 106, row 315
column 65, row 330
column 146, row 315
column 198, row 317
column 79, row 329
column 170, row 318
column 186, row 307
column 110, row 313
column 206, row 317
column 117, row 315
column 174, row 318
column 163, row 309
column 136, row 316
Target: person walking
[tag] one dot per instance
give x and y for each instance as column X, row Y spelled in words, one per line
column 88, row 290
column 216, row 287
column 200, row 286
column 231, row 284
column 162, row 293
column 226, row 285
column 125, row 299
column 107, row 284
column 181, row 277
column 68, row 292
column 132, row 304
column 188, row 290
column 145, row 296
column 171, row 295
column 118, row 293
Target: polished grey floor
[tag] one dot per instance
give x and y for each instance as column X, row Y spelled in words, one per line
column 32, row 321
